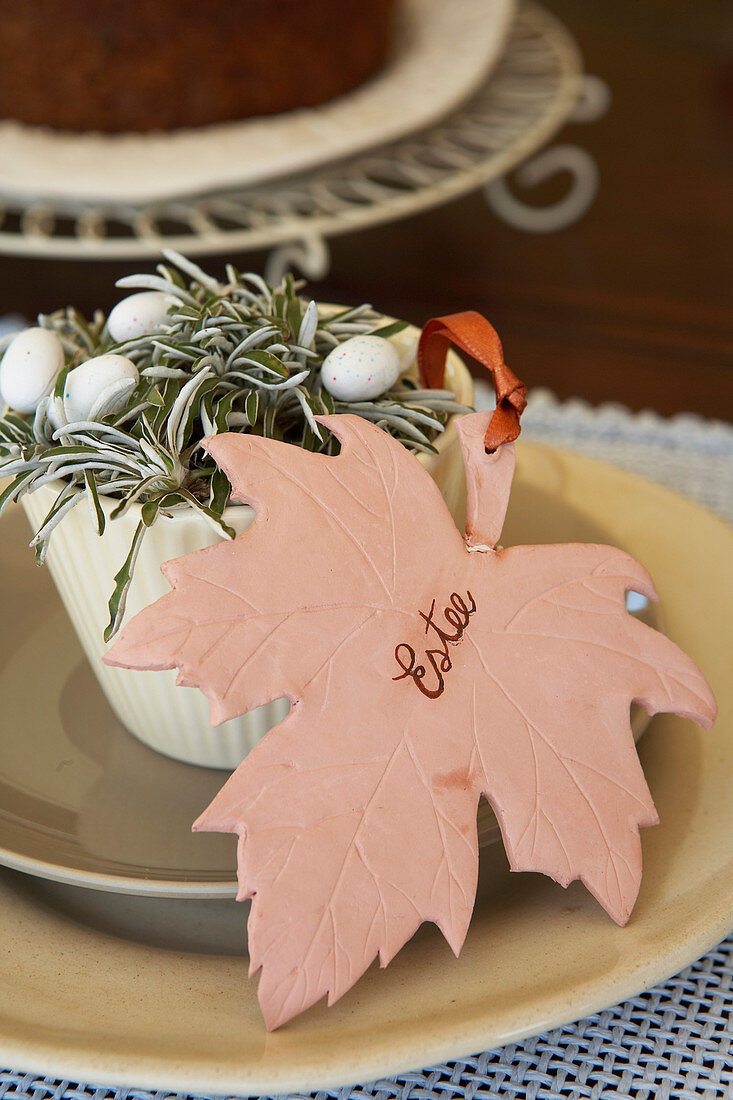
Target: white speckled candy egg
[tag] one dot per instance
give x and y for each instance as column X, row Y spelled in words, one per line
column 361, row 368
column 138, row 315
column 86, row 383
column 29, row 367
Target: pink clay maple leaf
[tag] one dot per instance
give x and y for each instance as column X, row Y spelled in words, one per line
column 424, row 670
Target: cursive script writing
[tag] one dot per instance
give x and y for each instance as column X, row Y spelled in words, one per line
column 456, row 615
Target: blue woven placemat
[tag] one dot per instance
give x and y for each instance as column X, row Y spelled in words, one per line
column 674, row 1042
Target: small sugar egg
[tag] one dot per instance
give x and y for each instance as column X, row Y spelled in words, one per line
column 361, row 368
column 29, row 367
column 138, row 315
column 86, row 383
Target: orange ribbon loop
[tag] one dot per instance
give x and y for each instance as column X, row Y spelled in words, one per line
column 473, row 334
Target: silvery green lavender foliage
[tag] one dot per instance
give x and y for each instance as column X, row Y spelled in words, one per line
column 235, row 356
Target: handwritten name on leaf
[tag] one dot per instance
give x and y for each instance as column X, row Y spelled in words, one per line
column 457, row 615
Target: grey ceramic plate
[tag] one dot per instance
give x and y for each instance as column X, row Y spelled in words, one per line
column 85, row 803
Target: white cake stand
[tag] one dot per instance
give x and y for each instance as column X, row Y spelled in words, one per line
column 530, row 93
column 441, row 55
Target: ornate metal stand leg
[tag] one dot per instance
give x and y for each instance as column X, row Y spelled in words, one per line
column 310, row 256
column 593, row 103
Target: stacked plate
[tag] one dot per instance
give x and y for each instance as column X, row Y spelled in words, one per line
column 122, row 944
column 480, row 84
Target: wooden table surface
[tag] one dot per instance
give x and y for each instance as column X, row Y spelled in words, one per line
column 631, row 304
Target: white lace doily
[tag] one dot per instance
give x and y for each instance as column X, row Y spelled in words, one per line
column 674, row 1042
column 688, row 453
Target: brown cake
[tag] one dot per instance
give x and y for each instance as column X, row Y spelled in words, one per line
column 116, row 65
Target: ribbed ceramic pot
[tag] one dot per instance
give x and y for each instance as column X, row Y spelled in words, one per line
column 170, row 719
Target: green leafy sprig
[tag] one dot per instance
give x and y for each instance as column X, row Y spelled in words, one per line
column 236, row 356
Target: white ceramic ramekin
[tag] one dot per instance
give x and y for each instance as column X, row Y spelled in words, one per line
column 171, row 719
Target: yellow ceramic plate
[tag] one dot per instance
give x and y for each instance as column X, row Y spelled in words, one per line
column 91, row 991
